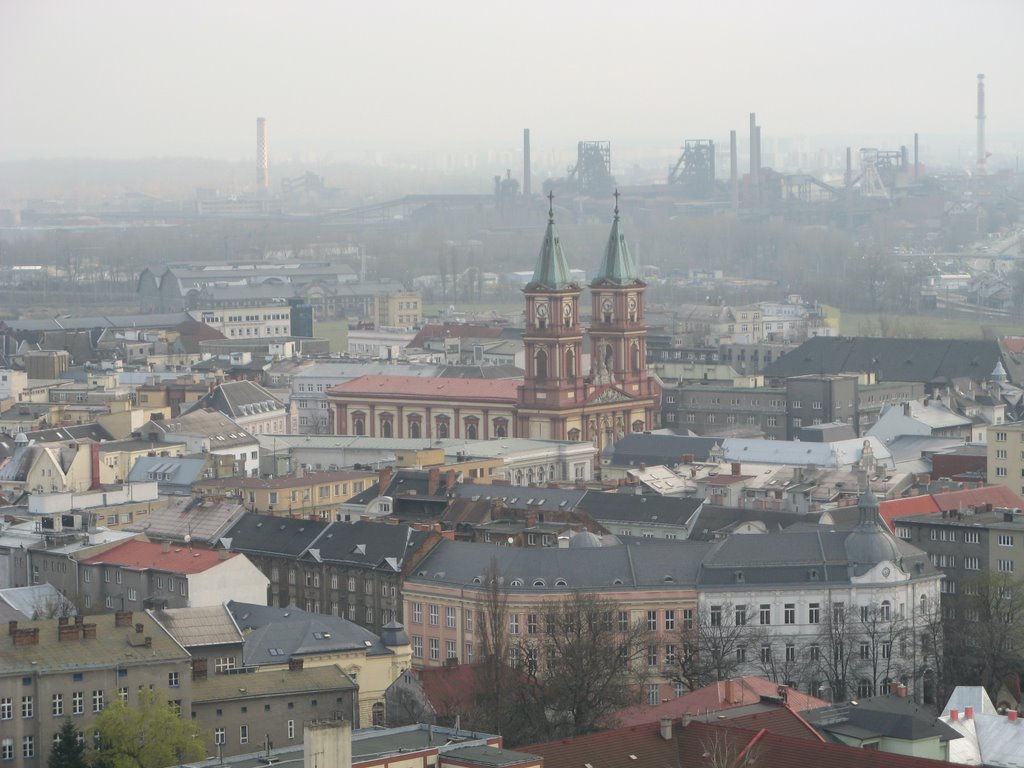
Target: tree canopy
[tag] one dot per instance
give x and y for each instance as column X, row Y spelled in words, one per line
column 150, row 734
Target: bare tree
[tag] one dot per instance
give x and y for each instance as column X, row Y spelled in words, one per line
column 985, row 632
column 833, row 653
column 725, row 749
column 880, row 633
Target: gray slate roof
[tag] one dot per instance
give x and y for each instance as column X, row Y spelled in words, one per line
column 523, row 497
column 193, row 627
column 646, row 564
column 628, row 507
column 637, row 448
column 922, row 360
column 267, row 534
column 272, row 635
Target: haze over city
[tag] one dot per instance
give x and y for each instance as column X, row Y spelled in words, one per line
column 145, row 79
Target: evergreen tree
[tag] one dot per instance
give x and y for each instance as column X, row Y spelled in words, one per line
column 69, row 751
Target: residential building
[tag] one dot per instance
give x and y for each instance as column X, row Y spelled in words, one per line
column 141, row 574
column 248, row 405
column 270, row 319
column 355, row 570
column 990, row 736
column 316, row 494
column 208, row 432
column 278, row 639
column 76, row 667
column 923, row 417
column 446, row 594
column 1006, row 456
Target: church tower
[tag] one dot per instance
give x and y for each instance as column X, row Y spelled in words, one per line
column 553, row 385
column 618, row 333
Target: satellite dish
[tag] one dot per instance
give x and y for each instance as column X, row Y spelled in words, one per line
column 188, row 538
column 511, row 540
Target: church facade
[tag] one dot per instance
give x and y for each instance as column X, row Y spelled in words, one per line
column 559, row 398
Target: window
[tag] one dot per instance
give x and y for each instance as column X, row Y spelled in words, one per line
column 670, row 620
column 972, row 563
column 28, row 746
column 222, row 664
column 122, row 694
column 6, row 708
column 1001, row 472
column 814, row 652
column 740, row 616
column 172, row 679
column 1006, row 566
column 1000, row 437
column 972, row 537
column 449, row 617
column 291, row 729
column 766, row 654
column 653, row 697
column 435, row 649
column 434, row 621
column 243, row 734
column 741, row 654
column 652, row 621
column 513, row 624
column 716, row 615
column 7, row 749
column 790, row 652
column 865, row 649
column 623, row 622
column 218, row 736
column 813, row 613
column 1005, row 540
column 97, row 701
column 885, row 611
column 652, row 655
column 531, row 624
column 766, row 613
column 417, row 613
column 789, row 613
column 670, row 654
column 468, row 621
column 27, row 707
column 57, row 707
column 886, row 650
column 687, row 618
column 77, row 702
column 417, row 646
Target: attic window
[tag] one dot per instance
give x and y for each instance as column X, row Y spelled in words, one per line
column 516, row 583
column 538, row 582
column 561, row 583
column 476, row 580
column 813, row 574
column 668, row 578
column 617, row 582
column 739, row 577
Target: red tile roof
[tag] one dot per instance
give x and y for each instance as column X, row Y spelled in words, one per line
column 450, row 690
column 697, row 744
column 145, row 554
column 717, row 697
column 494, row 390
column 781, row 720
column 912, row 505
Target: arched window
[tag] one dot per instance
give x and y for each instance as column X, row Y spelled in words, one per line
column 540, row 364
column 442, row 427
column 635, row 355
column 378, row 713
column 574, row 435
column 386, row 430
column 570, row 364
column 358, row 425
column 540, row 475
column 415, row 430
column 638, row 426
column 500, row 428
column 519, row 477
column 885, row 612
column 609, row 357
column 471, row 431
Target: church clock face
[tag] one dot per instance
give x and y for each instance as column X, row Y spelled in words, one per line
column 632, row 303
column 607, row 305
column 567, row 310
column 542, row 311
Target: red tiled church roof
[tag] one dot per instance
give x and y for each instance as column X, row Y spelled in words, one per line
column 503, row 390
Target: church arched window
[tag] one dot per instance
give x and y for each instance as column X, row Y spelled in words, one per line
column 540, row 364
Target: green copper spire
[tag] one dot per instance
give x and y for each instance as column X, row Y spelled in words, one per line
column 551, row 272
column 617, row 267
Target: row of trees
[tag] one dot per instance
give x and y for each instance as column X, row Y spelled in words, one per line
column 151, row 734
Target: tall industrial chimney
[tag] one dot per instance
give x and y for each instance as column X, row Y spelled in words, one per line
column 916, row 159
column 754, row 160
column 526, row 162
column 262, row 156
column 734, row 187
column 981, row 125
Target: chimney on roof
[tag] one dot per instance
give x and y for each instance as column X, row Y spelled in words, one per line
column 294, row 665
column 1011, row 715
column 88, row 631
column 954, row 715
column 730, row 691
column 450, row 483
column 968, row 713
column 224, row 554
column 383, row 480
column 666, row 728
column 123, row 619
column 139, row 628
column 901, row 691
column 736, row 467
column 26, row 636
column 165, row 547
column 300, row 472
column 685, row 719
column 433, row 481
column 67, row 632
column 12, row 626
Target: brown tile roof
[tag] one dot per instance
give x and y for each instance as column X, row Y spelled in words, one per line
column 285, row 481
column 500, row 390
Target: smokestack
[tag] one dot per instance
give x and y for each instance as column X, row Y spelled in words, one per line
column 915, row 157
column 526, row 162
column 754, row 160
column 981, row 124
column 733, row 183
column 262, row 155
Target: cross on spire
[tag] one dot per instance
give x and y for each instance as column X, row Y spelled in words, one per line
column 616, row 202
column 551, row 206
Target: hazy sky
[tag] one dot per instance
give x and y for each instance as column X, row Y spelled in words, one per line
column 134, row 78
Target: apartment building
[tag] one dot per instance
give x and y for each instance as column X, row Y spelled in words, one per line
column 1006, row 456
column 313, row 495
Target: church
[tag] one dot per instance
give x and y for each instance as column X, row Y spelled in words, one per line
column 557, row 399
